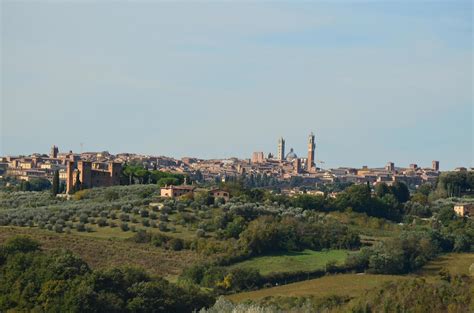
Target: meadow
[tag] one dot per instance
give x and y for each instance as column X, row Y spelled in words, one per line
column 306, row 260
column 353, row 285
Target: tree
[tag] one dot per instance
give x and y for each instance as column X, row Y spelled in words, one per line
column 77, row 185
column 55, row 185
column 381, row 190
column 400, row 191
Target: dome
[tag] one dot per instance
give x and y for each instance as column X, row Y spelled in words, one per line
column 291, row 155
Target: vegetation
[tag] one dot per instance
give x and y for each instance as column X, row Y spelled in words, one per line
column 306, row 260
column 32, row 280
column 352, row 242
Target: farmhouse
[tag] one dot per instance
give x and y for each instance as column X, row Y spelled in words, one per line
column 464, row 209
column 176, row 191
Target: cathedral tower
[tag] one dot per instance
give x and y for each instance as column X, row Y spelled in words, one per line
column 311, row 147
column 281, row 149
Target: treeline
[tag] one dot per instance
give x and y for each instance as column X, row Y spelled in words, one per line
column 11, row 184
column 455, row 184
column 412, row 249
column 387, row 202
column 34, row 281
column 138, row 174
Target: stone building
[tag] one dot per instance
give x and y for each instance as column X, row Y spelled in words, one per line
column 176, row 191
column 91, row 174
column 464, row 209
column 258, row 157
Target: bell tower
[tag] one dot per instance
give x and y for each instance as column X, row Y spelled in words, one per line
column 281, row 149
column 310, row 166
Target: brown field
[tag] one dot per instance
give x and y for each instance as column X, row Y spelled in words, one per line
column 102, row 253
column 455, row 263
column 342, row 284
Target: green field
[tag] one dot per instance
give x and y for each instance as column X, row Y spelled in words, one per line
column 306, row 260
column 353, row 285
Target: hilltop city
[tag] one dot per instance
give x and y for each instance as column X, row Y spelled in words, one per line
column 96, row 169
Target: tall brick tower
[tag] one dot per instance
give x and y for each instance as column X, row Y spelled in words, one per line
column 115, row 169
column 85, row 173
column 311, row 147
column 281, row 149
column 69, row 176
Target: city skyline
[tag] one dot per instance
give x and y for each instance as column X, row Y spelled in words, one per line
column 376, row 82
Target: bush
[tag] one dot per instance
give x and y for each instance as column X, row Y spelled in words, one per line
column 124, row 217
column 124, row 227
column 163, row 227
column 127, row 208
column 176, row 244
column 102, row 222
column 80, row 227
column 21, row 244
column 200, row 233
column 58, row 228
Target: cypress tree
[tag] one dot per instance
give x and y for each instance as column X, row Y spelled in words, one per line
column 77, row 185
column 55, row 186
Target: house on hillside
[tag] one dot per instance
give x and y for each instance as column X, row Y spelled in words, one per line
column 464, row 209
column 176, row 191
column 219, row 193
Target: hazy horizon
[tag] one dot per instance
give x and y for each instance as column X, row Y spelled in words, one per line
column 375, row 82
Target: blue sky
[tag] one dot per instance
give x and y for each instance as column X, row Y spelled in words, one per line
column 375, row 81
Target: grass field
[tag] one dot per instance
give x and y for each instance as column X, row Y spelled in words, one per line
column 112, row 252
column 342, row 284
column 455, row 263
column 353, row 285
column 306, row 260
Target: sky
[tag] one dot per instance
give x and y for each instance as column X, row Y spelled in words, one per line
column 375, row 81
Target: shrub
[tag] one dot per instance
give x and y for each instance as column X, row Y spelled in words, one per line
column 163, row 227
column 21, row 244
column 80, row 227
column 127, row 208
column 200, row 233
column 176, row 244
column 102, row 222
column 124, row 227
column 58, row 228
column 124, row 217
